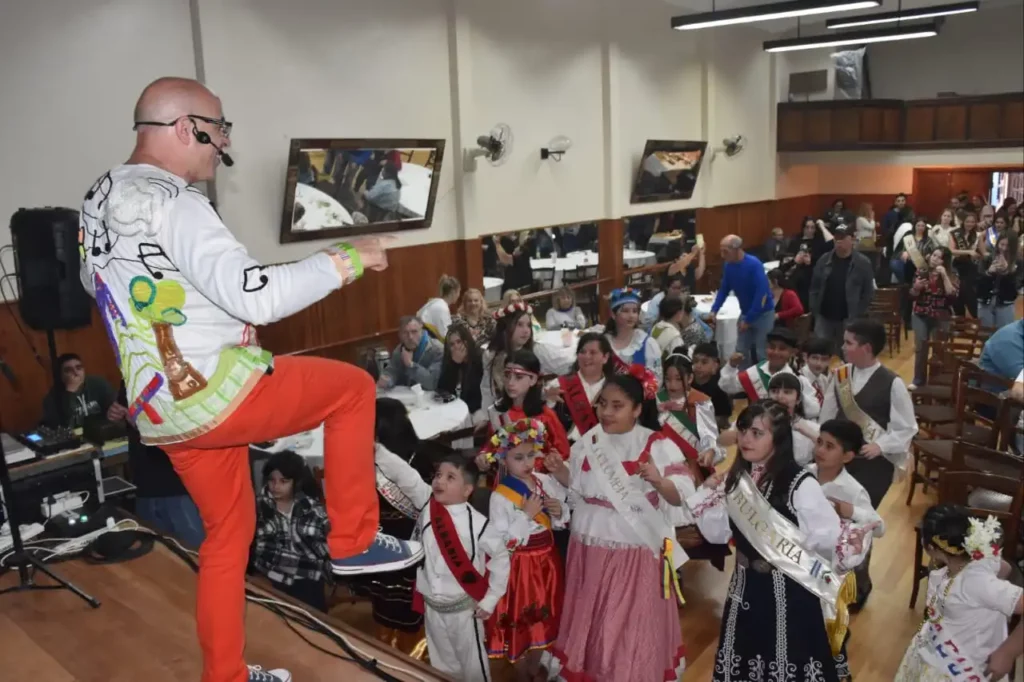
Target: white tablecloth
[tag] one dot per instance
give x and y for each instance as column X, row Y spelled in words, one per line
column 663, row 238
column 562, row 356
column 726, row 327
column 631, row 258
column 492, row 289
column 429, row 418
column 415, row 180
column 321, row 210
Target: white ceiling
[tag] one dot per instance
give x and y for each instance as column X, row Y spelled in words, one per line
column 812, row 23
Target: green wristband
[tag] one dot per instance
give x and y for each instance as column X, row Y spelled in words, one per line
column 353, row 255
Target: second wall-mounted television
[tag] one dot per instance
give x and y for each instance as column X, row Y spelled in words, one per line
column 668, row 170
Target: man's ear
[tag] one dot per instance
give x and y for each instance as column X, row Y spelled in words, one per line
column 848, row 456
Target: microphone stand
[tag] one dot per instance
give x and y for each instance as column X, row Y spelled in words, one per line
column 22, row 560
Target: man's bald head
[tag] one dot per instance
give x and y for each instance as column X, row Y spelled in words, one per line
column 732, row 248
column 176, row 120
column 166, row 99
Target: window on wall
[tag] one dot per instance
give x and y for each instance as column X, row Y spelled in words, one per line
column 1007, row 185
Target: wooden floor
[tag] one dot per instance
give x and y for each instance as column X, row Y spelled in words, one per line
column 144, row 631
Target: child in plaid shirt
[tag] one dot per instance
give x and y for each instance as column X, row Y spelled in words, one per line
column 290, row 547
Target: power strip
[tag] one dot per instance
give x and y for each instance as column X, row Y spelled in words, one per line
column 28, row 531
column 58, row 504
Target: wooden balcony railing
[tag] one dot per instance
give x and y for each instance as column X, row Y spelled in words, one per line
column 984, row 121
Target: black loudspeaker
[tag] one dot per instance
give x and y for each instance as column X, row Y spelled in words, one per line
column 50, row 294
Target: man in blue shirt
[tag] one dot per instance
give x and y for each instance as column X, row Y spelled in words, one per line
column 1003, row 353
column 744, row 276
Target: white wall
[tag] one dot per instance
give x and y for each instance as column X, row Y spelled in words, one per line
column 316, row 68
column 70, row 72
column 975, row 54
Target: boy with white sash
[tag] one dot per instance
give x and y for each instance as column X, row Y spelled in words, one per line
column 875, row 399
column 465, row 566
column 753, row 381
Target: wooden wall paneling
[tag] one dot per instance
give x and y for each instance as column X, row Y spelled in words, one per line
column 791, row 127
column 951, row 123
column 818, row 127
column 971, row 181
column 753, row 224
column 471, row 257
column 919, row 124
column 984, row 121
column 846, row 125
column 1012, row 126
column 932, row 191
column 892, row 125
column 21, row 405
column 871, row 125
column 611, row 239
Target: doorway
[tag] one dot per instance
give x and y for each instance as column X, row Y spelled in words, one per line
column 1006, row 185
column 934, row 187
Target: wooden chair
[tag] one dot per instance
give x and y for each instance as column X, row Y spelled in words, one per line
column 938, row 411
column 885, row 307
column 543, row 279
column 936, row 453
column 955, row 488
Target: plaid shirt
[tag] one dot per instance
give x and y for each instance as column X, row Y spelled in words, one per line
column 289, row 549
column 933, row 301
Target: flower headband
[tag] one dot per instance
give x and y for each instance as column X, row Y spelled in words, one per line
column 620, row 297
column 982, row 540
column 511, row 308
column 647, row 380
column 514, row 434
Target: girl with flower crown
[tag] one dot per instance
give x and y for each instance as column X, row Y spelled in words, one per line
column 514, row 330
column 963, row 638
column 620, row 622
column 525, row 506
column 521, row 398
column 630, row 343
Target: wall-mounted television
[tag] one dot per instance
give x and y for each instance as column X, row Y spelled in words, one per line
column 668, row 170
column 347, row 187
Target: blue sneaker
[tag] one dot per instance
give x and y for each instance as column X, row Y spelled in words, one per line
column 384, row 554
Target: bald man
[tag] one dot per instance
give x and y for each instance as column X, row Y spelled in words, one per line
column 743, row 275
column 180, row 299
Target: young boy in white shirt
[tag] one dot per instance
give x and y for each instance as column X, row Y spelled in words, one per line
column 817, row 356
column 465, row 564
column 838, row 442
column 753, row 381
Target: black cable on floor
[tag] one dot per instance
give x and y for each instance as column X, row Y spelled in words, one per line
column 369, row 664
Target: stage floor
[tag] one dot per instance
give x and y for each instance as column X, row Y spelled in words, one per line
column 145, row 630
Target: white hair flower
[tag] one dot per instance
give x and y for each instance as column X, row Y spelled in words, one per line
column 982, row 540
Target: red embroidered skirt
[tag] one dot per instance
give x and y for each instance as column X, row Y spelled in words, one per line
column 527, row 617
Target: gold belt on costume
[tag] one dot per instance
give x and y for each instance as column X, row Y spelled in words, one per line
column 759, row 565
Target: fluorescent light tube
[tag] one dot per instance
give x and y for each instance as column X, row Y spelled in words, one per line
column 853, row 38
column 904, row 15
column 779, row 10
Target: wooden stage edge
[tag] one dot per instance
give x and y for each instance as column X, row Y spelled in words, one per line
column 145, row 630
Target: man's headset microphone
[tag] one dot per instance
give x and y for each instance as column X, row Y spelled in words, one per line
column 202, row 137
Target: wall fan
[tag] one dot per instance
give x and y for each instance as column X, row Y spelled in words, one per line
column 733, row 145
column 496, row 147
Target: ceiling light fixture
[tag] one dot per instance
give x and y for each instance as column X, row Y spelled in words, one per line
column 778, row 10
column 884, row 35
column 904, row 15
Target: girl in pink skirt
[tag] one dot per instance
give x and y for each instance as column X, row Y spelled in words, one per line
column 620, row 620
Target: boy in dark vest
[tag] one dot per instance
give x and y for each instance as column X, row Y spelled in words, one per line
column 875, row 399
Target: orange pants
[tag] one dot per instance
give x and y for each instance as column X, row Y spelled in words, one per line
column 301, row 393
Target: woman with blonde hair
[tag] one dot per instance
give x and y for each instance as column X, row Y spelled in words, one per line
column 474, row 316
column 563, row 313
column 436, row 314
column 865, row 226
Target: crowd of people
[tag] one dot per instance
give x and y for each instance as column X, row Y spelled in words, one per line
column 556, row 544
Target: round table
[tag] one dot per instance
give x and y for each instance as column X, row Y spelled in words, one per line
column 321, row 210
column 631, row 258
column 559, row 356
column 492, row 289
column 428, row 417
column 726, row 325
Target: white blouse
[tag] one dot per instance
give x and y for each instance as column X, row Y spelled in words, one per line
column 436, row 313
column 594, row 520
column 652, row 351
column 825, row 532
column 729, row 381
column 707, row 429
column 513, row 523
column 846, row 488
